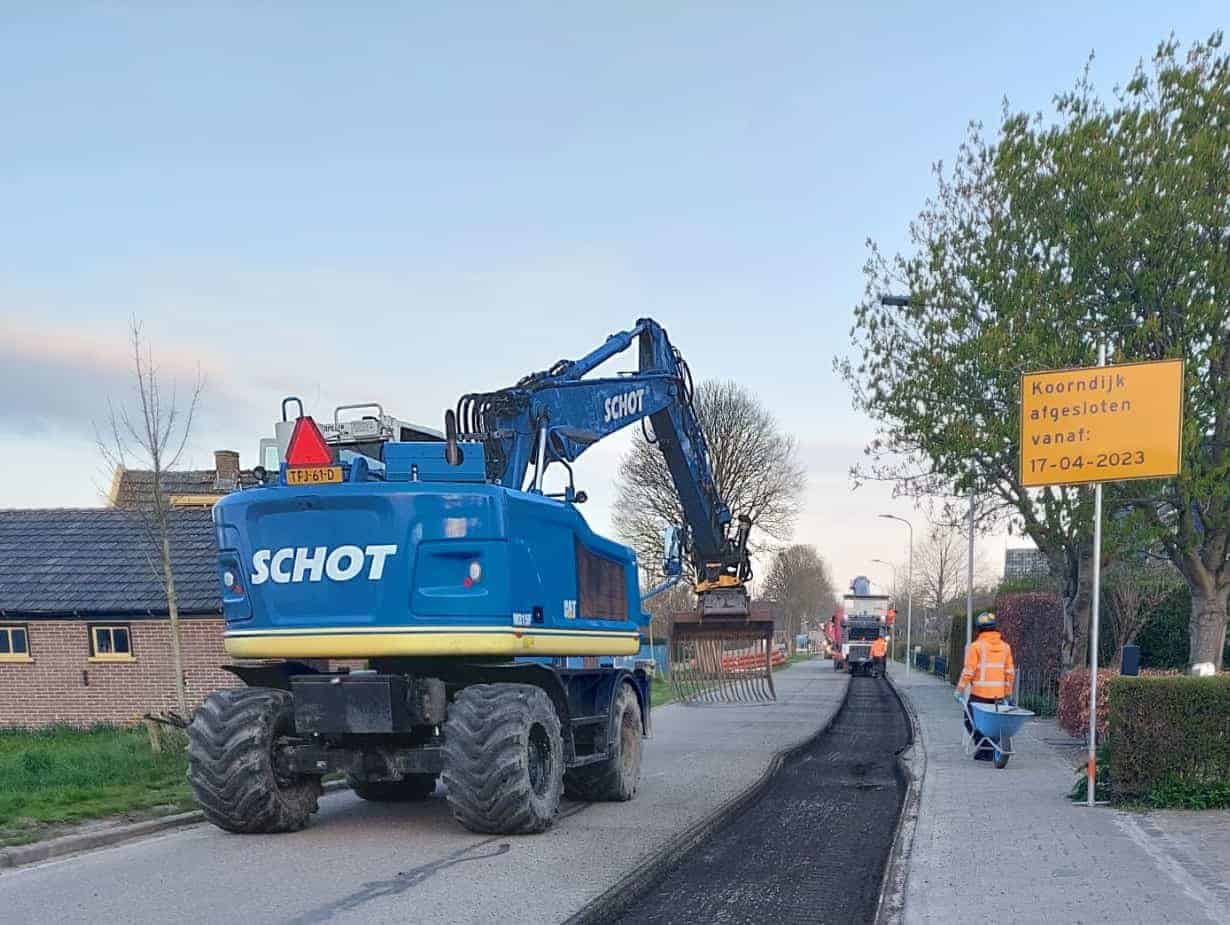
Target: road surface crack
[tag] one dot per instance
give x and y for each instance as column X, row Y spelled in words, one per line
column 406, row 880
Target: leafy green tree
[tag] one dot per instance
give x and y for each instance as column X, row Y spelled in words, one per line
column 1112, row 224
column 940, row 376
column 1132, row 205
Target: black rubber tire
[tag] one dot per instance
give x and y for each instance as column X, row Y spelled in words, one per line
column 1001, row 758
column 503, row 759
column 616, row 778
column 230, row 763
column 410, row 789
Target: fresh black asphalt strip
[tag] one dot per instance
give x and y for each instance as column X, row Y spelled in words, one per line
column 812, row 847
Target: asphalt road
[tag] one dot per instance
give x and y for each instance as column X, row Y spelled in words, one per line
column 373, row 863
column 812, row 847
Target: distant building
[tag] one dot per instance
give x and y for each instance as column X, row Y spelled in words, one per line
column 84, row 632
column 1025, row 562
column 134, row 488
column 85, row 635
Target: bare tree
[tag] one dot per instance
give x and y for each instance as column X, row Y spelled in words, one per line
column 1135, row 591
column 941, row 574
column 754, row 463
column 800, row 584
column 154, row 436
column 939, row 564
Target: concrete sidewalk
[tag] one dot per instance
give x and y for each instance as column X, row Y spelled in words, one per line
column 1009, row 846
column 374, row 863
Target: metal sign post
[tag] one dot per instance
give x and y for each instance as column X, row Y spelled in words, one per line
column 1091, row 767
column 969, row 578
column 1083, row 426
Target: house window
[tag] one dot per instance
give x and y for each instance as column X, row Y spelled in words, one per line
column 110, row 642
column 14, row 642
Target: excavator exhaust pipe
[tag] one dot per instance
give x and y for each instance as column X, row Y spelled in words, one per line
column 723, row 651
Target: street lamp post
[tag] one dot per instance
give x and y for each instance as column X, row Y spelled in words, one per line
column 909, row 605
column 892, row 630
column 904, row 301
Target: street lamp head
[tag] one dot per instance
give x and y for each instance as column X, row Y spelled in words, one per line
column 895, row 301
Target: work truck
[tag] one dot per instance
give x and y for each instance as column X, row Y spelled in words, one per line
column 861, row 619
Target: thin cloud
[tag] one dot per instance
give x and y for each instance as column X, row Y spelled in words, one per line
column 56, row 380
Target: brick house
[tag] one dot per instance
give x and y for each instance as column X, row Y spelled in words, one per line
column 84, row 631
column 134, row 488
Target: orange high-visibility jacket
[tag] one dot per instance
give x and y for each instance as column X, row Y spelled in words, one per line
column 879, row 648
column 988, row 666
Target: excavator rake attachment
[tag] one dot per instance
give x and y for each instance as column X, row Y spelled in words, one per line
column 723, row 658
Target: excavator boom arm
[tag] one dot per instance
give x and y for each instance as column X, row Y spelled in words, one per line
column 556, row 414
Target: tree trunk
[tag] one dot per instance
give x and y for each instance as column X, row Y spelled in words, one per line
column 177, row 652
column 1077, row 606
column 1207, row 633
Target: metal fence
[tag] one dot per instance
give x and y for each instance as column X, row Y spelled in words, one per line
column 1038, row 690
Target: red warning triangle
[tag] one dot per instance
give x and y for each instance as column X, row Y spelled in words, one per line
column 307, row 445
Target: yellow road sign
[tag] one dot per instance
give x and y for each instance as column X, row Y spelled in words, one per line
column 1101, row 424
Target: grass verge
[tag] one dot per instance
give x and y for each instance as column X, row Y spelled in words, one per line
column 660, row 691
column 56, row 776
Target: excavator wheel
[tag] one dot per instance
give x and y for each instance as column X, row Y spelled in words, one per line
column 616, row 778
column 409, row 789
column 231, row 765
column 503, row 759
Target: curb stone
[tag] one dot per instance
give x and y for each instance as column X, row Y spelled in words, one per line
column 912, row 766
column 21, row 855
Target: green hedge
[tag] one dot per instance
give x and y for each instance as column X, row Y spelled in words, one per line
column 1031, row 622
column 1169, row 735
column 956, row 648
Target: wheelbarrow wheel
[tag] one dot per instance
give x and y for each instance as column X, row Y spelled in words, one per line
column 1002, row 752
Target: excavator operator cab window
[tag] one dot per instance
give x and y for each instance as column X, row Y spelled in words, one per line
column 672, row 551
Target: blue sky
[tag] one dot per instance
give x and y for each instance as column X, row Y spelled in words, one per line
column 401, row 203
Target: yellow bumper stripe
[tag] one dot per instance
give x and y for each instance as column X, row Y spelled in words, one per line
column 368, row 643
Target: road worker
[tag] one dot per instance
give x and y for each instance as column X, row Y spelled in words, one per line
column 879, row 649
column 989, row 673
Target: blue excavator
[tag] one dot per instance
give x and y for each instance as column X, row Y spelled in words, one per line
column 407, row 606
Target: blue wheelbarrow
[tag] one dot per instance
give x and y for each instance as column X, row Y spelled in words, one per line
column 994, row 725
